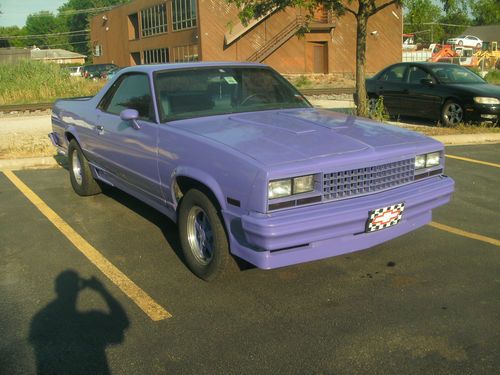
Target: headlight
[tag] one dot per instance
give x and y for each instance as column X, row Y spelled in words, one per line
column 427, row 160
column 432, row 159
column 303, row 184
column 290, row 186
column 420, row 161
column 280, row 188
column 485, row 100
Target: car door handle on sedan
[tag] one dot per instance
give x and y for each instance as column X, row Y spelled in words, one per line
column 99, row 129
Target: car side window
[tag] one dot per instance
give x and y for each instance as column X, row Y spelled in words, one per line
column 416, row 74
column 394, row 74
column 132, row 92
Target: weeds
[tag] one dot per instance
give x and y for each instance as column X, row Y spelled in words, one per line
column 493, row 76
column 302, row 81
column 377, row 110
column 34, row 82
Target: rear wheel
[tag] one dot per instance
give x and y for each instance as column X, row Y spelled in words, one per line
column 80, row 175
column 452, row 113
column 203, row 237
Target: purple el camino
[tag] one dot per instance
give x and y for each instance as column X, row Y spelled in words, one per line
column 246, row 167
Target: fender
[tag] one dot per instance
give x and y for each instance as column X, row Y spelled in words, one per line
column 202, row 177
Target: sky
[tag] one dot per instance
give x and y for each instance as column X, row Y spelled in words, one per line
column 14, row 12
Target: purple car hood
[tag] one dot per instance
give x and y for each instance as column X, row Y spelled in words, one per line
column 283, row 136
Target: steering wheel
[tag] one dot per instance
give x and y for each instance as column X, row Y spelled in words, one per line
column 251, row 96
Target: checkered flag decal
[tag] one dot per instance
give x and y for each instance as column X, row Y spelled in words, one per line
column 384, row 217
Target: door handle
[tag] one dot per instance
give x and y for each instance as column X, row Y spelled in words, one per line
column 99, row 129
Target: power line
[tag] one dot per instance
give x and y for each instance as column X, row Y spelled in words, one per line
column 68, row 33
column 65, row 12
column 62, row 44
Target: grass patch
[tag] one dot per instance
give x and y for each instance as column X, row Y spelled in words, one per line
column 493, row 76
column 34, row 82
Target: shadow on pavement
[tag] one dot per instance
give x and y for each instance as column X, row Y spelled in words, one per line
column 67, row 341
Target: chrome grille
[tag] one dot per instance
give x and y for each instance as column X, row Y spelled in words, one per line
column 344, row 184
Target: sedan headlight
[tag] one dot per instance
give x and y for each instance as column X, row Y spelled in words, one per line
column 280, row 188
column 427, row 160
column 432, row 159
column 303, row 184
column 290, row 186
column 486, row 100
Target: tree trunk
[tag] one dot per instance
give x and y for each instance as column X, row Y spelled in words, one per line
column 362, row 20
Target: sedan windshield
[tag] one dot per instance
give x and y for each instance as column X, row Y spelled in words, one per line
column 214, row 91
column 455, row 74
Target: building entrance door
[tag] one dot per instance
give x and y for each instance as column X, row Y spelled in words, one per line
column 320, row 58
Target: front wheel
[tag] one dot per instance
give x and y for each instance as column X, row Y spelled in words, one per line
column 203, row 238
column 452, row 113
column 80, row 174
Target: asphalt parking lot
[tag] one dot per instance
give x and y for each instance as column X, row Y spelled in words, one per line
column 425, row 303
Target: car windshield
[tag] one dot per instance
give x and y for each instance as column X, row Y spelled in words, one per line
column 214, row 91
column 455, row 74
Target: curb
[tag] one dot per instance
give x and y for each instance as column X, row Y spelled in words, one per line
column 468, row 139
column 52, row 162
column 29, row 163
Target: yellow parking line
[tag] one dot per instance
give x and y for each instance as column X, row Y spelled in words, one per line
column 463, row 233
column 473, row 161
column 135, row 293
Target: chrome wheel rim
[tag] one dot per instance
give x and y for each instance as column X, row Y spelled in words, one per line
column 372, row 104
column 200, row 235
column 453, row 114
column 76, row 167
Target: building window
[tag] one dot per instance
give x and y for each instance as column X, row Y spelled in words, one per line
column 156, row 56
column 185, row 53
column 154, row 20
column 98, row 50
column 133, row 26
column 183, row 14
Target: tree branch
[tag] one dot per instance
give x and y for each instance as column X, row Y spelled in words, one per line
column 383, row 6
column 350, row 11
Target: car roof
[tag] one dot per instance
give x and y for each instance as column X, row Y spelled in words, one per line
column 426, row 64
column 150, row 68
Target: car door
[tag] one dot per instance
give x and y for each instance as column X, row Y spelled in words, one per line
column 420, row 99
column 389, row 86
column 128, row 152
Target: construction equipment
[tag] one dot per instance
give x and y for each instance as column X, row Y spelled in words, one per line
column 489, row 58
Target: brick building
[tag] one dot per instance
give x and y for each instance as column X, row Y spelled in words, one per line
column 155, row 31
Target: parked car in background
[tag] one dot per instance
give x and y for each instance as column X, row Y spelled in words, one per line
column 110, row 73
column 74, row 71
column 466, row 41
column 236, row 156
column 436, row 91
column 95, row 70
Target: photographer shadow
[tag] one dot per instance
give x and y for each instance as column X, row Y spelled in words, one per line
column 67, row 341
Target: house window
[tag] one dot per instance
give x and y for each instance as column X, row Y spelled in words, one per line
column 183, row 14
column 154, row 20
column 185, row 53
column 156, row 56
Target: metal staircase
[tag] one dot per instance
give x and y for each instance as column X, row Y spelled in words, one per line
column 278, row 40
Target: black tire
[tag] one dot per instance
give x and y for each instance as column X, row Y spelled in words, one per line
column 81, row 178
column 205, row 247
column 452, row 113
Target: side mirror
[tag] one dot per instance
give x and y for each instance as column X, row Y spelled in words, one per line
column 427, row 82
column 131, row 115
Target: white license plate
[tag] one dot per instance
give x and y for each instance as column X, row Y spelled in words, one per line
column 384, row 217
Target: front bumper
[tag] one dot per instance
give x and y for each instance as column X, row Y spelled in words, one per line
column 329, row 229
column 482, row 112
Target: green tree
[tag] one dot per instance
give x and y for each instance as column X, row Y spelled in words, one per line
column 76, row 15
column 9, row 37
column 361, row 10
column 486, row 12
column 418, row 15
column 45, row 30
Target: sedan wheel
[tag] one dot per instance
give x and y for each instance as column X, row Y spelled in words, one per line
column 452, row 114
